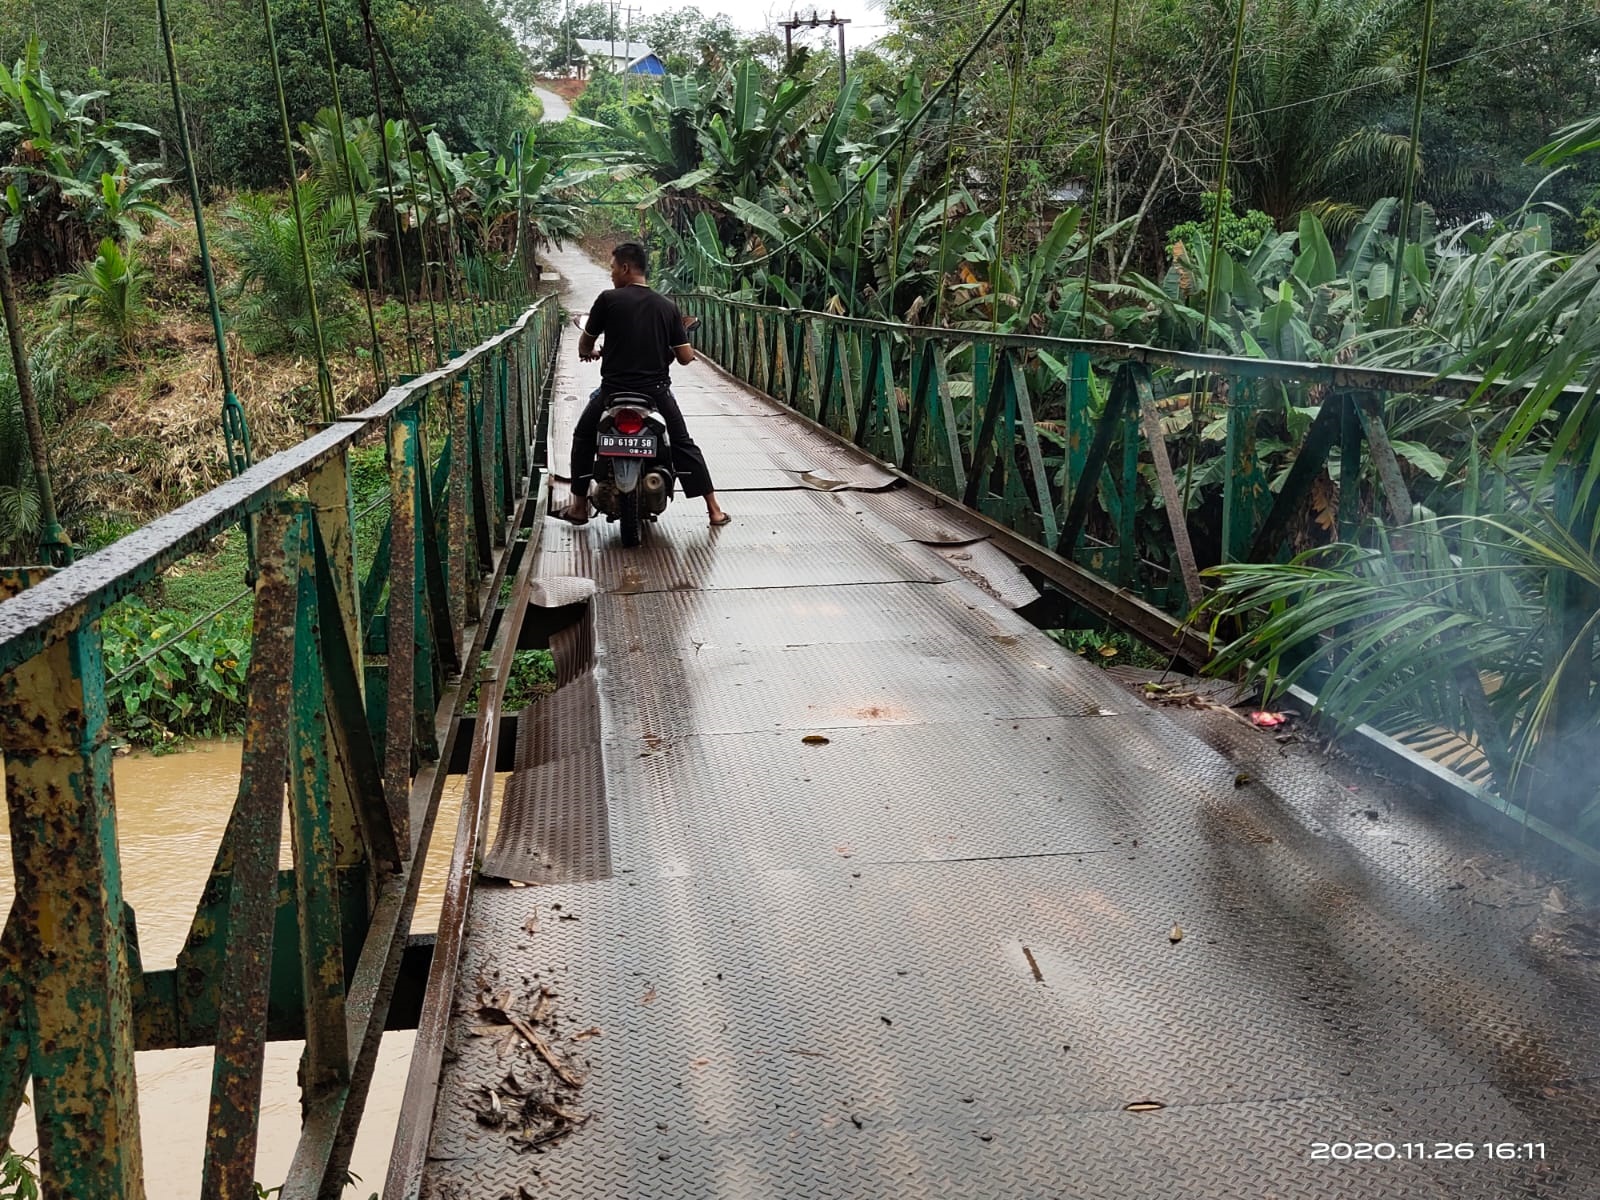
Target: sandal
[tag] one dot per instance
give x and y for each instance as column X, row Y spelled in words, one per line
column 721, row 521
column 570, row 519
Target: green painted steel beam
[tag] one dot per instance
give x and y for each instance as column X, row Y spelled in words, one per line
column 1245, row 495
column 311, row 792
column 1461, row 387
column 1124, row 396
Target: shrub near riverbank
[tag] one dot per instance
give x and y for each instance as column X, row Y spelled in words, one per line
column 168, row 676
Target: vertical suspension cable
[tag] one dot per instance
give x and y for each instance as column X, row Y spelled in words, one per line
column 944, row 215
column 423, row 224
column 1005, row 171
column 447, row 251
column 442, row 276
column 832, row 288
column 54, row 546
column 439, row 243
column 518, row 260
column 379, row 371
column 1398, row 281
column 413, row 356
column 1100, row 149
column 1223, row 196
column 235, row 429
column 859, row 240
column 897, row 202
column 1200, row 402
column 324, row 378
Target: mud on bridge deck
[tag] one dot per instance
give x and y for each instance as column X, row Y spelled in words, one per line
column 848, row 882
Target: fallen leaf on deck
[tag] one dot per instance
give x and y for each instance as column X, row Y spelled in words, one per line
column 814, row 739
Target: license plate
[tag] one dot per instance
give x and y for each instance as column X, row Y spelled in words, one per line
column 621, row 445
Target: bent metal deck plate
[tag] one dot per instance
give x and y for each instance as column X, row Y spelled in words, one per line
column 933, row 954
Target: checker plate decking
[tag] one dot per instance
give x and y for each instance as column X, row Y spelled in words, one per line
column 931, row 957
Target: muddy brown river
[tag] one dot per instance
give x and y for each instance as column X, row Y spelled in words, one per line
column 171, row 811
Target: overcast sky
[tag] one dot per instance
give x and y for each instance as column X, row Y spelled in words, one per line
column 867, row 22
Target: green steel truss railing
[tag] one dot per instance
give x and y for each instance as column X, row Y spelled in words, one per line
column 350, row 699
column 953, row 409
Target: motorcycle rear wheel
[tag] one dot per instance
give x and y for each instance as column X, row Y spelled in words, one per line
column 630, row 517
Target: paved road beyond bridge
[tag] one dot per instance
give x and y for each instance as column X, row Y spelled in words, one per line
column 840, row 879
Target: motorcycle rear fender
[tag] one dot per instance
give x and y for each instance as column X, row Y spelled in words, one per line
column 625, row 473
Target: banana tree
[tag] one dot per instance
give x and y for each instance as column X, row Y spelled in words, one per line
column 71, row 179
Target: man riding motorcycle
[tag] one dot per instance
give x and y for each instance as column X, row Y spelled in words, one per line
column 644, row 334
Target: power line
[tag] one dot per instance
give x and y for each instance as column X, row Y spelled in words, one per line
column 863, row 176
column 977, row 138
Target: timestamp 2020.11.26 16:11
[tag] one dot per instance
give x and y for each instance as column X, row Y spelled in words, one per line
column 1427, row 1151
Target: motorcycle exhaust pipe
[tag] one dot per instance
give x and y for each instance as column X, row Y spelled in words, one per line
column 654, row 487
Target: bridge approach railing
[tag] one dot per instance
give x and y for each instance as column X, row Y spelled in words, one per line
column 353, row 678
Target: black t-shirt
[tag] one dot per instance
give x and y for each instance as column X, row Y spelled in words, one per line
column 641, row 328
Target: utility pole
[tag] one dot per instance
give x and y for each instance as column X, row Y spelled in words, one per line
column 834, row 21
column 627, row 45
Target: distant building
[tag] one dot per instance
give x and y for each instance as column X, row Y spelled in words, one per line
column 631, row 58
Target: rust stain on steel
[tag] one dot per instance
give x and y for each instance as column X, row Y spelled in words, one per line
column 232, row 1128
column 400, row 723
column 327, row 1061
column 68, row 918
column 329, row 490
column 461, row 568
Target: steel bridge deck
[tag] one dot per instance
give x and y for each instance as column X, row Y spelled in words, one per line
column 932, row 956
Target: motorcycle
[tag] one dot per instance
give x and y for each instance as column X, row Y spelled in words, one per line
column 633, row 476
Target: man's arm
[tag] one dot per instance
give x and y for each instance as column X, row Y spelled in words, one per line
column 593, row 328
column 678, row 338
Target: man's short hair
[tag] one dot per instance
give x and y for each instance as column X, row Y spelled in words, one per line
column 632, row 254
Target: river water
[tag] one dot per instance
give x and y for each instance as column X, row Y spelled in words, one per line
column 171, row 812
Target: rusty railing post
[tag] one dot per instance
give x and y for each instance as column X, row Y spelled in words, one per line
column 70, row 916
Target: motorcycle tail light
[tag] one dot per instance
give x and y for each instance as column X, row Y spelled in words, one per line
column 628, row 421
